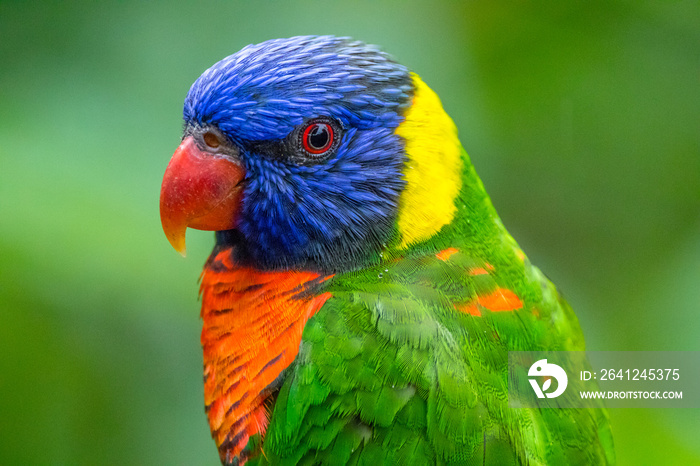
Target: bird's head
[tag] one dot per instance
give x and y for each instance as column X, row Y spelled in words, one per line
column 312, row 153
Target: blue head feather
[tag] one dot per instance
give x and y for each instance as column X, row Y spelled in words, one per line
column 330, row 215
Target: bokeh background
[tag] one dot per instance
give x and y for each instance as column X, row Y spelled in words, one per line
column 583, row 119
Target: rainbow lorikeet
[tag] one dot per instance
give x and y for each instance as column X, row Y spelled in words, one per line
column 363, row 295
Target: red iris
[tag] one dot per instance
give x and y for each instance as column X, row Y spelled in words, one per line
column 317, row 138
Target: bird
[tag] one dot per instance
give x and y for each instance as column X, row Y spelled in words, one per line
column 363, row 294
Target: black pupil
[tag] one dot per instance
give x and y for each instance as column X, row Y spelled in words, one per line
column 318, row 136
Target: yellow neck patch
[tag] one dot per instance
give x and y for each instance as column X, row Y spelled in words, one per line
column 433, row 169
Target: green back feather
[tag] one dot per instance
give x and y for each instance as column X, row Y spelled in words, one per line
column 390, row 372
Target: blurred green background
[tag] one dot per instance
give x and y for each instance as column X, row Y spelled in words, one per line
column 583, row 120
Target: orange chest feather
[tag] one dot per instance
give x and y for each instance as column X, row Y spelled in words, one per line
column 253, row 323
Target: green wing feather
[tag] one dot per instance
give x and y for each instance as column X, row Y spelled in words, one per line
column 391, row 372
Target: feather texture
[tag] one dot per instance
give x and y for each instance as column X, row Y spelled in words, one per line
column 362, row 310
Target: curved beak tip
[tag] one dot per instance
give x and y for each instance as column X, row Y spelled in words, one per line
column 175, row 233
column 179, row 246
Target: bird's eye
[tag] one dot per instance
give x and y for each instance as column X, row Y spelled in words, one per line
column 211, row 140
column 318, row 137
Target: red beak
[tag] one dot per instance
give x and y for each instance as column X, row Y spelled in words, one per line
column 200, row 190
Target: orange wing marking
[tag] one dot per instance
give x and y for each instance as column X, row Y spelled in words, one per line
column 499, row 300
column 445, row 254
